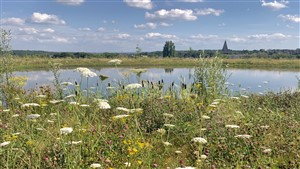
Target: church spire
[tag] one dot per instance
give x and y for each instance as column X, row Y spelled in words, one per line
column 225, row 48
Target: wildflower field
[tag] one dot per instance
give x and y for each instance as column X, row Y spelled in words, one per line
column 139, row 125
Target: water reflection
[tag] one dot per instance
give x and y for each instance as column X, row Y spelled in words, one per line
column 240, row 79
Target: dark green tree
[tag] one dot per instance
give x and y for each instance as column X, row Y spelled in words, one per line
column 169, row 49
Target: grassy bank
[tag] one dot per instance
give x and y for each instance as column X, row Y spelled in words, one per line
column 42, row 63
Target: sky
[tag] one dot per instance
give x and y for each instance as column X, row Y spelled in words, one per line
column 122, row 25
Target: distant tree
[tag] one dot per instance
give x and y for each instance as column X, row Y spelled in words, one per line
column 138, row 50
column 169, row 49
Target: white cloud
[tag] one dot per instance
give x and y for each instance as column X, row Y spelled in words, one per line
column 101, row 29
column 173, row 14
column 29, row 30
column 71, row 2
column 222, row 24
column 202, row 37
column 291, row 18
column 275, row 36
column 209, row 11
column 13, row 21
column 165, row 24
column 149, row 25
column 85, row 29
column 236, row 39
column 275, row 5
column 46, row 18
column 49, row 30
column 56, row 39
column 145, row 4
column 191, row 1
column 123, row 36
column 153, row 35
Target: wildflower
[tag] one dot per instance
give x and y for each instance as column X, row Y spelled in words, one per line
column 40, row 129
column 161, row 131
column 30, row 105
column 203, row 129
column 205, row 117
column 168, row 115
column 243, row 136
column 167, row 143
column 6, row 110
column 75, row 142
column 50, row 121
column 81, row 69
column 169, row 125
column 66, row 83
column 138, row 110
column 121, row 116
column 70, row 96
column 199, row 140
column 104, row 105
column 203, row 156
column 178, row 152
column 268, row 150
column 66, row 130
column 264, row 127
column 84, row 105
column 56, row 101
column 33, row 116
column 127, row 164
column 15, row 115
column 88, row 74
column 132, row 151
column 232, row 126
column 95, row 165
column 133, row 86
column 122, row 109
column 215, row 103
column 5, row 143
column 115, row 61
column 74, row 103
column 212, row 105
column 53, row 114
column 235, row 98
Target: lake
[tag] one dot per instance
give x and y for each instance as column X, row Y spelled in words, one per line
column 247, row 80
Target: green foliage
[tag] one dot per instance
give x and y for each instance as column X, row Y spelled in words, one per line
column 211, row 75
column 169, row 49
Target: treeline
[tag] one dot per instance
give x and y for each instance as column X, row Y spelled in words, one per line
column 274, row 54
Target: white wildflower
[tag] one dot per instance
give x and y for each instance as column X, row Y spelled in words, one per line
column 66, row 130
column 104, row 105
column 246, row 136
column 40, row 129
column 161, row 131
column 264, row 127
column 53, row 114
column 167, row 143
column 30, row 105
column 268, row 150
column 82, row 69
column 84, row 105
column 203, row 156
column 178, row 152
column 199, row 140
column 235, row 98
column 70, row 96
column 203, row 129
column 74, row 103
column 232, row 126
column 75, row 142
column 33, row 116
column 205, row 117
column 56, row 101
column 122, row 109
column 5, row 143
column 133, row 86
column 50, row 121
column 127, row 164
column 41, row 96
column 88, row 74
column 95, row 165
column 15, row 115
column 121, row 116
column 6, row 110
column 215, row 103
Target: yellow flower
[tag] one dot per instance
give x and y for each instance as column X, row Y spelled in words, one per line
column 141, row 145
column 139, row 162
column 30, row 142
column 132, row 151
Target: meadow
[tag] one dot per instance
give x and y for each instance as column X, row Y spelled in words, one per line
column 137, row 125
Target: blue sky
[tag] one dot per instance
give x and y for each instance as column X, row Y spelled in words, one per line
column 121, row 25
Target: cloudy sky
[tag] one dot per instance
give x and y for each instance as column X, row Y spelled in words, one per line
column 121, row 25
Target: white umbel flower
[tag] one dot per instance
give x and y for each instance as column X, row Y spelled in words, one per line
column 199, row 140
column 246, row 136
column 95, row 165
column 26, row 105
column 121, row 116
column 33, row 116
column 115, row 61
column 5, row 143
column 66, row 130
column 133, row 86
column 104, row 105
column 232, row 126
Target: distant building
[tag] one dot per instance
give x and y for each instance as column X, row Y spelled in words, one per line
column 225, row 49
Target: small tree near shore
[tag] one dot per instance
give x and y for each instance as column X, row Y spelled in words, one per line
column 169, row 49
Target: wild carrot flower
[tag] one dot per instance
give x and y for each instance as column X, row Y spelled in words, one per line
column 88, row 74
column 161, row 131
column 6, row 110
column 75, row 142
column 95, row 165
column 268, row 150
column 74, row 103
column 121, row 116
column 84, row 105
column 246, row 136
column 178, row 152
column 30, row 105
column 133, row 86
column 33, row 116
column 122, row 109
column 199, row 140
column 5, row 143
column 103, row 105
column 203, row 156
column 232, row 126
column 56, row 101
column 167, row 143
column 66, row 130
